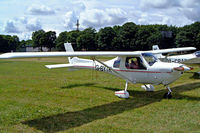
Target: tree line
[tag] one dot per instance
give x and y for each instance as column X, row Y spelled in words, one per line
column 128, row 37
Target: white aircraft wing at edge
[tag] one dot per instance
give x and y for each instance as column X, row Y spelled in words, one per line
column 88, row 53
column 172, row 50
column 70, row 54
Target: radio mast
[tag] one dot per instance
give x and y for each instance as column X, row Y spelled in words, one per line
column 77, row 25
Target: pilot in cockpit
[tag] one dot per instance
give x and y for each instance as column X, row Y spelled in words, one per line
column 134, row 63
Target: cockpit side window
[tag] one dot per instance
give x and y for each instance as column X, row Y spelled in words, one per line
column 117, row 63
column 197, row 54
column 134, row 63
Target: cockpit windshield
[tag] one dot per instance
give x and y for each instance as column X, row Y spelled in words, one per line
column 150, row 58
column 197, row 54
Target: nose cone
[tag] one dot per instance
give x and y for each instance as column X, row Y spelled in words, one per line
column 186, row 68
column 182, row 68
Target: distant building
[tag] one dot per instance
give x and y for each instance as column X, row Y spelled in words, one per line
column 166, row 34
column 32, row 49
column 37, row 49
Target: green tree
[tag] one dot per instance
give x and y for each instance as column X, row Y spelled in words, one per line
column 198, row 42
column 3, row 44
column 8, row 43
column 48, row 39
column 141, row 38
column 105, row 38
column 147, row 36
column 117, row 40
column 37, row 39
column 25, row 43
column 61, row 39
column 72, row 37
column 185, row 38
column 153, row 39
column 86, row 40
column 188, row 35
column 128, row 35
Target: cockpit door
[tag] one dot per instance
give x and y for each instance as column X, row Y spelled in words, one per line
column 133, row 68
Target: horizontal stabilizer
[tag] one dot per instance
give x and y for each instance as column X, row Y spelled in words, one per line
column 59, row 66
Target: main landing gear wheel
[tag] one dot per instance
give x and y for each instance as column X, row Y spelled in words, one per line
column 124, row 93
column 168, row 95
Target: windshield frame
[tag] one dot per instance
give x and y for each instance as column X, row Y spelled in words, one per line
column 150, row 56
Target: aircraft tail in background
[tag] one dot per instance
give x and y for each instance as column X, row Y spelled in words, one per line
column 69, row 48
column 155, row 47
column 74, row 60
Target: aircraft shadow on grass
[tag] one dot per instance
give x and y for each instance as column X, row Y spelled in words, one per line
column 64, row 121
column 76, row 85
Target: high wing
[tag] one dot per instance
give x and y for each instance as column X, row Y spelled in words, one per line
column 69, row 54
column 84, row 53
column 172, row 50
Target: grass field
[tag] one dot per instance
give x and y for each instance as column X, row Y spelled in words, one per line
column 36, row 99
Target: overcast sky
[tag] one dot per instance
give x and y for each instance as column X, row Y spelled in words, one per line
column 22, row 17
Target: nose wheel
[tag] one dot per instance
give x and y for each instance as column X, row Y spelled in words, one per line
column 168, row 95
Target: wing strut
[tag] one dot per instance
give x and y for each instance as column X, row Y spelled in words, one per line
column 120, row 75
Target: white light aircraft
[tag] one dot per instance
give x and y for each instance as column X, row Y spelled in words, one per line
column 193, row 58
column 134, row 67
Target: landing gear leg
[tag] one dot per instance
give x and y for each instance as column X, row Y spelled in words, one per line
column 124, row 93
column 126, row 86
column 168, row 95
column 148, row 87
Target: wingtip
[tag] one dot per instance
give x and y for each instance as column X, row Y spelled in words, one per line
column 48, row 66
column 4, row 56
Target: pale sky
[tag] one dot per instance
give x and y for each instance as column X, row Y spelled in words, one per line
column 22, row 17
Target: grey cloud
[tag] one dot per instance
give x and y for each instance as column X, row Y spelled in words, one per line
column 192, row 13
column 21, row 25
column 162, row 4
column 40, row 10
column 190, row 9
column 100, row 18
column 78, row 7
column 190, row 3
column 33, row 25
column 10, row 27
column 174, row 12
column 70, row 20
column 28, row 24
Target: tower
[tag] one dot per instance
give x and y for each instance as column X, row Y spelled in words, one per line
column 77, row 25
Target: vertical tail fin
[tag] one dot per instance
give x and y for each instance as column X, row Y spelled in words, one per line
column 69, row 48
column 74, row 60
column 155, row 47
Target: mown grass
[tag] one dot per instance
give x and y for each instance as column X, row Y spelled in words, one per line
column 36, row 99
